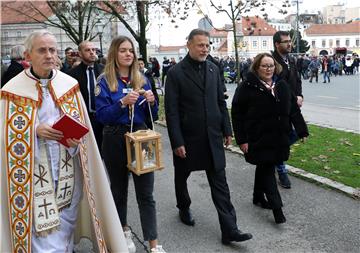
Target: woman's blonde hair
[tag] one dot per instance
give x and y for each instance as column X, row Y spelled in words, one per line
column 112, row 66
column 257, row 60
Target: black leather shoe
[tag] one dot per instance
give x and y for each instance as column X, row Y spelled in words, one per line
column 262, row 202
column 235, row 236
column 186, row 217
column 279, row 216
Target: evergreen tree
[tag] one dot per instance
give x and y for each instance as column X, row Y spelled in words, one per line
column 304, row 47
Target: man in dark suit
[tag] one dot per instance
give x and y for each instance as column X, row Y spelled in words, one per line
column 289, row 73
column 198, row 125
column 86, row 73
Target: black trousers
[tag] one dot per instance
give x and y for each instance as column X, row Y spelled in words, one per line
column 265, row 183
column 114, row 153
column 98, row 130
column 220, row 193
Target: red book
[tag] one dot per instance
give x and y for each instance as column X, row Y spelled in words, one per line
column 70, row 127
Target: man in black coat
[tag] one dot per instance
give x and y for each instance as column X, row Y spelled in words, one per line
column 86, row 73
column 282, row 48
column 198, row 126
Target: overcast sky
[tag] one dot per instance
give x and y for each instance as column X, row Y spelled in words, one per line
column 171, row 36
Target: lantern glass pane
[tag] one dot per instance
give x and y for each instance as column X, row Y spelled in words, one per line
column 133, row 154
column 149, row 154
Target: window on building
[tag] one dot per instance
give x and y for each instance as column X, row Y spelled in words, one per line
column 18, row 34
column 357, row 42
column 323, row 43
column 347, row 42
column 6, row 35
column 338, row 43
column 264, row 44
column 330, row 43
column 313, row 43
column 254, row 43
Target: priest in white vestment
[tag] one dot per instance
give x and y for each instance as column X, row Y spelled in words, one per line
column 51, row 195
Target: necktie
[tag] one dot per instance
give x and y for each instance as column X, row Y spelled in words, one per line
column 92, row 88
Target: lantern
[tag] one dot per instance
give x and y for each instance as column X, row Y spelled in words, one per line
column 144, row 151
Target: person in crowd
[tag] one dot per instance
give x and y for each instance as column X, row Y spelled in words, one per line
column 282, row 46
column 325, row 68
column 68, row 60
column 172, row 61
column 314, row 68
column 155, row 67
column 166, row 65
column 86, row 74
column 16, row 66
column 221, row 72
column 42, row 181
column 262, row 113
column 58, row 63
column 122, row 97
column 198, row 126
column 355, row 64
column 348, row 65
column 149, row 75
column 299, row 63
column 335, row 67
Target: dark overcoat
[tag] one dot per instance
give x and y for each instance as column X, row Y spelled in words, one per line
column 197, row 115
column 79, row 73
column 264, row 121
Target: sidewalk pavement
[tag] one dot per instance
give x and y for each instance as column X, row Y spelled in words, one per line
column 318, row 219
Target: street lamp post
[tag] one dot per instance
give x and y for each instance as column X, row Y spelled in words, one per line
column 297, row 24
column 101, row 48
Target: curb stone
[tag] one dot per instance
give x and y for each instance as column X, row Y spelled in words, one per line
column 348, row 190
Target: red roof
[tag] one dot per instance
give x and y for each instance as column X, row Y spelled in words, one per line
column 256, row 26
column 171, row 48
column 11, row 16
column 217, row 33
column 223, row 47
column 350, row 28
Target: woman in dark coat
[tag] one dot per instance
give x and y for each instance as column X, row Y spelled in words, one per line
column 262, row 114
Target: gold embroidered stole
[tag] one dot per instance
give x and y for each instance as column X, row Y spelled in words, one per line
column 19, row 139
column 47, row 202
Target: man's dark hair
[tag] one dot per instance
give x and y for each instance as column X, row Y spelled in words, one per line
column 277, row 36
column 68, row 49
column 141, row 59
column 197, row 31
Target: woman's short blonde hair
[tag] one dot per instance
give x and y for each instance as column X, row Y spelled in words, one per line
column 257, row 60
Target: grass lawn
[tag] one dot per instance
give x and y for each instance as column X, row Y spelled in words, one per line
column 327, row 152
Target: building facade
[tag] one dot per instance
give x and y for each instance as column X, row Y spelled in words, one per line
column 327, row 38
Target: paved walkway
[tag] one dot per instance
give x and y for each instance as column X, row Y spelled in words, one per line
column 319, row 219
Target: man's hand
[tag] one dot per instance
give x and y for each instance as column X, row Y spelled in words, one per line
column 45, row 131
column 73, row 143
column 180, row 151
column 244, row 147
column 227, row 140
column 300, row 100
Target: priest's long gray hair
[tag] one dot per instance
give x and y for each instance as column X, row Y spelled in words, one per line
column 29, row 41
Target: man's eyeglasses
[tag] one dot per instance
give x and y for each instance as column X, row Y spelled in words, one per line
column 267, row 67
column 286, row 41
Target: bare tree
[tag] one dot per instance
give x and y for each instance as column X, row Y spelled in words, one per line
column 77, row 18
column 234, row 9
column 140, row 10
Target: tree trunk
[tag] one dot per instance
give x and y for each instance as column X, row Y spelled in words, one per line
column 140, row 7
